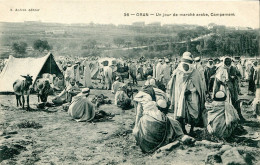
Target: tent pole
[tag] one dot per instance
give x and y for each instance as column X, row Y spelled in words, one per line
column 50, row 65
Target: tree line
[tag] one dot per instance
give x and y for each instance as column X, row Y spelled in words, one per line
column 227, row 42
column 20, row 48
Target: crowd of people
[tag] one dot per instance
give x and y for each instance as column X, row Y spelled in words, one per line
column 174, row 94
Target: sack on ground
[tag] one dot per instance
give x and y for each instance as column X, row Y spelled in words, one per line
column 222, row 119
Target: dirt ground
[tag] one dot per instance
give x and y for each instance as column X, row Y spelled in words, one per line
column 54, row 138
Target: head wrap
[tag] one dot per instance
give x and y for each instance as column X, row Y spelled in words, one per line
column 149, row 90
column 161, row 103
column 220, row 96
column 197, row 59
column 186, row 58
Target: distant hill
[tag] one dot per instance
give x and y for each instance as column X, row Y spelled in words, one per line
column 97, row 39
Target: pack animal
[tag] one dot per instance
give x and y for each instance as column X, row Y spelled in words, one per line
column 43, row 88
column 21, row 88
column 122, row 72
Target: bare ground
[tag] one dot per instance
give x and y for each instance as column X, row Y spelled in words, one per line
column 39, row 137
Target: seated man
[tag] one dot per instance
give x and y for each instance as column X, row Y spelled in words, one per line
column 153, row 128
column 222, row 116
column 66, row 95
column 81, row 109
column 150, row 80
column 121, row 98
column 116, row 85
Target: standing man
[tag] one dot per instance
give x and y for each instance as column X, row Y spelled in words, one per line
column 159, row 71
column 187, row 95
column 256, row 100
column 76, row 72
column 108, row 76
column 140, row 71
column 166, row 72
column 209, row 73
column 251, row 79
column 133, row 71
column 69, row 74
column 240, row 69
column 200, row 69
column 87, row 75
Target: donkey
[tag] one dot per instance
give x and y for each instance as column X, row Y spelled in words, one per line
column 42, row 87
column 21, row 88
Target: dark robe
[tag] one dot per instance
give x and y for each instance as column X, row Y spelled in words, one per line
column 251, row 79
column 209, row 71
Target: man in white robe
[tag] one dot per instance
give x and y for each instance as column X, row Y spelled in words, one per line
column 199, row 67
column 87, row 76
column 66, row 95
column 108, row 77
column 81, row 109
column 166, row 72
column 187, row 94
column 116, row 85
column 159, row 71
column 76, row 72
column 69, row 74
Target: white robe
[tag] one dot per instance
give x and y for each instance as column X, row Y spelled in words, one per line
column 166, row 73
column 69, row 74
column 81, row 109
column 159, row 72
column 87, row 76
column 108, row 76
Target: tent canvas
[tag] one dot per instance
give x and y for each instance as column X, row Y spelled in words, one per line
column 15, row 67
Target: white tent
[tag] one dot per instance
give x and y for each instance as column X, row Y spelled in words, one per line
column 15, row 67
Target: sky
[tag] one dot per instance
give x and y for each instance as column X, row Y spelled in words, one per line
column 106, row 12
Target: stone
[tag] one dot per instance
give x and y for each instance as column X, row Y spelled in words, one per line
column 208, row 144
column 165, row 150
column 232, row 156
column 158, row 155
column 12, row 132
column 246, row 149
column 170, row 146
column 213, row 158
column 225, row 148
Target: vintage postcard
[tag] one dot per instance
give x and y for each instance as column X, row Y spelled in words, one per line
column 129, row 82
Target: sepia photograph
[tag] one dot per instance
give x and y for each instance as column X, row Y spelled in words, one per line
column 132, row 82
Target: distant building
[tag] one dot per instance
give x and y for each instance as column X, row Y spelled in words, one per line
column 211, row 26
column 122, row 26
column 55, row 32
column 138, row 24
column 79, row 24
column 32, row 22
column 169, row 25
column 243, row 28
column 231, row 28
column 154, row 24
column 220, row 29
